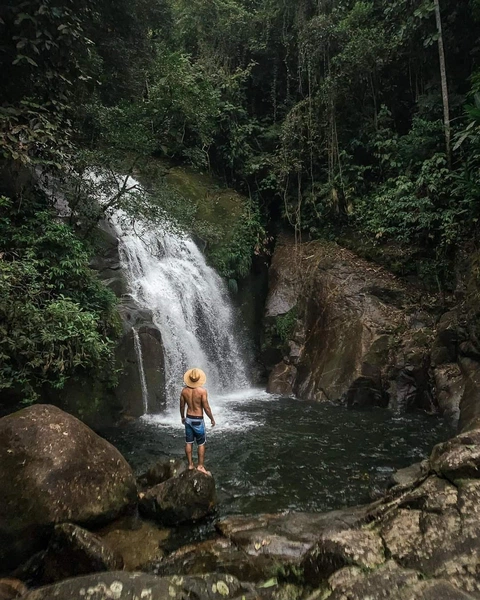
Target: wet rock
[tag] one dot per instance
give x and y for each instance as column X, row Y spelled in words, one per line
column 53, row 469
column 129, row 390
column 161, row 471
column 188, row 497
column 339, row 549
column 282, row 379
column 12, row 588
column 118, row 585
column 139, row 542
column 458, row 458
column 75, row 551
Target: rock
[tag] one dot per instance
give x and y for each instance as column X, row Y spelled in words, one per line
column 12, row 588
column 285, row 538
column 390, row 582
column 188, row 497
column 139, row 542
column 53, row 469
column 75, row 551
column 470, row 402
column 458, row 458
column 282, row 379
column 118, row 585
column 448, row 338
column 129, row 390
column 161, row 471
column 341, row 344
column 385, row 583
column 219, row 555
column 405, row 478
column 449, row 389
column 338, row 549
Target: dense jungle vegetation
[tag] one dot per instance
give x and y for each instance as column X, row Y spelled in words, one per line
column 355, row 120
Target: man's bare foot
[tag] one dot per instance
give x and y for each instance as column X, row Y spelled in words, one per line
column 191, row 467
column 202, row 469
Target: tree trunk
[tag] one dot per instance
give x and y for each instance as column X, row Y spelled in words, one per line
column 443, row 75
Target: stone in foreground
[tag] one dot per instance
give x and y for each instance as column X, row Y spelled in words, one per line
column 188, row 497
column 54, row 469
column 118, row 585
column 75, row 551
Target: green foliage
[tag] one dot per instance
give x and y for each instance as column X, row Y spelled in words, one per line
column 57, row 319
column 233, row 259
column 285, row 324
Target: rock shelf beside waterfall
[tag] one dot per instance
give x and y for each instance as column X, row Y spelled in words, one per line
column 340, row 328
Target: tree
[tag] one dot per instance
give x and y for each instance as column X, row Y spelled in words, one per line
column 443, row 75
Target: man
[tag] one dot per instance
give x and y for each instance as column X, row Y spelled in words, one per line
column 195, row 397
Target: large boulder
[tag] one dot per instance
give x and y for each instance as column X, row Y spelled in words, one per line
column 54, row 469
column 332, row 324
column 118, row 585
column 188, row 497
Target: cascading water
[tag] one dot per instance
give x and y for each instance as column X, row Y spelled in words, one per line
column 168, row 274
column 143, row 380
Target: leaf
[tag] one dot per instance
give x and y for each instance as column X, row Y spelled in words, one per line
column 270, row 583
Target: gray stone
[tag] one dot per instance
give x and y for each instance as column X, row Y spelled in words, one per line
column 53, row 469
column 188, row 497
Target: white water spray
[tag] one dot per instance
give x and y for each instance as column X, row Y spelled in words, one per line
column 141, row 371
column 168, row 274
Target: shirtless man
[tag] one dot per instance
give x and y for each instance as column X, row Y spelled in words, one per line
column 195, row 397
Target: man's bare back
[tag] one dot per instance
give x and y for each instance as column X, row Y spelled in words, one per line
column 196, row 400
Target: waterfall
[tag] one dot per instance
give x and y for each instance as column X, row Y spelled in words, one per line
column 189, row 301
column 141, row 371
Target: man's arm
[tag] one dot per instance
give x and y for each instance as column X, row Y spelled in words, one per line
column 182, row 407
column 206, row 408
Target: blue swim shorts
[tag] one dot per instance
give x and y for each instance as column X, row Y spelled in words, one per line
column 195, row 430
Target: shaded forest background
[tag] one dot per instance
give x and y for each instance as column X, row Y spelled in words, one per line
column 328, row 114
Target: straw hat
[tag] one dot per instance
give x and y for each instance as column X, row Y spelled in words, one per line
column 194, row 378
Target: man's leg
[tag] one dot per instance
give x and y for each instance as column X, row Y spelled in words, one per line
column 201, row 460
column 188, row 452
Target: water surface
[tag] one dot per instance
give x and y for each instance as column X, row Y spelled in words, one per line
column 270, row 454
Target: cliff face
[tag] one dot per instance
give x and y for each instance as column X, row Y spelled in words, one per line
column 338, row 327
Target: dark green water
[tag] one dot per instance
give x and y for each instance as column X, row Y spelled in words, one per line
column 270, row 454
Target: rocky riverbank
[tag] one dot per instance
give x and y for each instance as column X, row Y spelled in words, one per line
column 71, row 511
